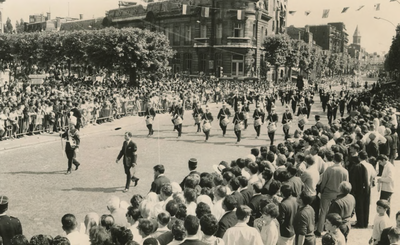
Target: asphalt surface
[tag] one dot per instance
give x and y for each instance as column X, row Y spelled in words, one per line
column 33, row 168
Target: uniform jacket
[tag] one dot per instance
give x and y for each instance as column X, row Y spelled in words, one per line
column 9, row 227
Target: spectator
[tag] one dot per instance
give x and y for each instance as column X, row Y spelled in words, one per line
column 107, row 221
column 91, row 219
column 121, row 235
column 19, row 240
column 332, row 224
column 229, row 219
column 328, row 239
column 387, row 179
column 118, row 213
column 245, row 190
column 60, row 240
column 235, row 185
column 394, row 235
column 179, row 232
column 100, row 236
column 159, row 179
column 192, row 227
column 209, row 226
column 151, row 241
column 145, row 228
column 202, row 209
column 241, row 233
column 9, row 226
column 384, row 236
column 304, row 221
column 192, row 165
column 287, row 211
column 269, row 230
column 220, row 193
column 133, row 216
column 381, row 221
column 41, row 240
column 163, row 220
column 69, row 225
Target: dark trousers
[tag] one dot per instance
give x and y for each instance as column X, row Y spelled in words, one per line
column 257, row 128
column 238, row 134
column 271, row 137
column 207, row 133
column 301, row 127
column 286, row 132
column 315, row 205
column 330, row 117
column 71, row 158
column 386, row 196
column 179, row 129
column 150, row 127
column 198, row 127
column 129, row 176
column 308, row 111
column 245, row 123
column 362, row 209
column 223, row 128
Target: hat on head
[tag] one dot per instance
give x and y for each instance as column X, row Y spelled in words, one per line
column 221, row 166
column 3, row 204
column 192, row 163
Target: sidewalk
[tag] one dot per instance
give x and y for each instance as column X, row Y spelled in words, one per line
column 45, row 138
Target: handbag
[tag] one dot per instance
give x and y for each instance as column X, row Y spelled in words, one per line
column 257, row 122
column 271, row 127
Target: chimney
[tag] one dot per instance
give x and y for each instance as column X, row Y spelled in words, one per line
column 81, row 16
column 48, row 16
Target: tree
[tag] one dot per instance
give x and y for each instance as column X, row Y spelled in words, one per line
column 19, row 26
column 8, row 27
column 276, row 51
column 293, row 55
column 392, row 62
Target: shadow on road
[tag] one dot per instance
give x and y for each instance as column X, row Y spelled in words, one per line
column 95, row 189
column 37, row 173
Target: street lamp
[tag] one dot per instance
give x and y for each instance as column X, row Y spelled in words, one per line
column 379, row 18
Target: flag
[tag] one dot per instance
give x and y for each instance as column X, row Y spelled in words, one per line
column 184, row 8
column 362, row 6
column 377, row 7
column 345, row 10
column 307, row 12
column 126, row 4
column 205, row 12
column 292, row 12
column 325, row 14
column 240, row 14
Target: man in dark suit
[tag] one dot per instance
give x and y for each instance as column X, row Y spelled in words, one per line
column 128, row 151
column 358, row 177
column 229, row 219
column 72, row 146
column 287, row 211
column 9, row 226
column 245, row 190
column 192, row 225
column 159, row 179
column 192, row 164
column 235, row 185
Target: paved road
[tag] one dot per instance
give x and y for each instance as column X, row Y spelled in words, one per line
column 33, row 176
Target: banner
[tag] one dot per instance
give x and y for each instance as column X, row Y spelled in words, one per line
column 325, row 14
column 345, row 9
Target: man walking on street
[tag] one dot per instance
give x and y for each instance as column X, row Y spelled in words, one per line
column 72, row 146
column 128, row 151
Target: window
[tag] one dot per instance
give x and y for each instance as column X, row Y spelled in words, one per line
column 254, row 30
column 238, row 30
column 203, row 31
column 219, row 30
column 237, row 65
column 218, row 59
column 171, row 34
column 188, row 35
column 177, row 30
column 281, row 73
column 203, row 62
column 187, row 62
column 262, row 33
column 266, row 33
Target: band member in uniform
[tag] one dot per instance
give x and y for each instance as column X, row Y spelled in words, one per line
column 72, row 146
column 238, row 119
column 309, row 101
column 286, row 121
column 197, row 115
column 246, row 111
column 150, row 115
column 178, row 118
column 273, row 121
column 342, row 105
column 258, row 116
column 171, row 111
column 207, row 119
column 128, row 151
column 223, row 117
column 331, row 110
column 302, row 114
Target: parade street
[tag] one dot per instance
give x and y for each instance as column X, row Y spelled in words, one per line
column 33, row 168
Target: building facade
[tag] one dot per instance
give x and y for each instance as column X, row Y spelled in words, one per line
column 210, row 36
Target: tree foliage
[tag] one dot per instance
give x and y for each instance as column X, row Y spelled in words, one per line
column 8, row 27
column 277, row 50
column 392, row 61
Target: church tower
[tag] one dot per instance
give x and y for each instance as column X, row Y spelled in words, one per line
column 357, row 37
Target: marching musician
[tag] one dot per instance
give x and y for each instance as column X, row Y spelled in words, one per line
column 72, row 146
column 238, row 119
column 258, row 116
column 246, row 111
column 223, row 117
column 171, row 111
column 331, row 110
column 150, row 115
column 197, row 116
column 302, row 113
column 207, row 119
column 286, row 121
column 273, row 121
column 178, row 118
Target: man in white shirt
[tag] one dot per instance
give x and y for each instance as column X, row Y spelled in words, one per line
column 70, row 226
column 386, row 181
column 220, row 193
column 241, row 233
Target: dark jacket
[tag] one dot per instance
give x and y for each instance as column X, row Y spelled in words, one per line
column 128, row 151
column 228, row 220
column 158, row 183
column 9, row 227
column 247, row 195
column 287, row 211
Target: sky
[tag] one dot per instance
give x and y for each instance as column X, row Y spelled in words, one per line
column 376, row 35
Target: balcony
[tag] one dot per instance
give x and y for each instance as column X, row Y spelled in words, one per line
column 201, row 42
column 238, row 42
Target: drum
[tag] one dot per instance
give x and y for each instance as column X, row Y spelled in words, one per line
column 239, row 126
column 271, row 127
column 303, row 121
column 197, row 119
column 225, row 122
column 149, row 120
column 206, row 126
column 178, row 121
column 286, row 126
column 246, row 115
column 257, row 122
